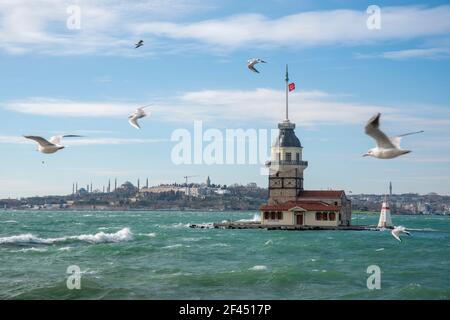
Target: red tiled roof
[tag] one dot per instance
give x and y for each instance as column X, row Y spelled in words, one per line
column 327, row 194
column 307, row 205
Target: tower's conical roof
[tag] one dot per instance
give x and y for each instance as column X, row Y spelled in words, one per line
column 286, row 136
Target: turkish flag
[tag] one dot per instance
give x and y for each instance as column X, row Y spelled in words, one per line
column 291, row 86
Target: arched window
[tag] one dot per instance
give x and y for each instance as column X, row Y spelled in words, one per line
column 266, row 215
column 332, row 216
column 324, row 216
column 280, row 215
column 318, row 216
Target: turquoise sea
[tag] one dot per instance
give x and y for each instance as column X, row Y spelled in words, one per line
column 155, row 255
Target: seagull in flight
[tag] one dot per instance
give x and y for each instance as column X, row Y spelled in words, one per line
column 52, row 145
column 251, row 64
column 387, row 148
column 139, row 44
column 137, row 114
column 397, row 231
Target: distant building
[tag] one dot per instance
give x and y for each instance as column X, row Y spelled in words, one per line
column 222, row 191
column 208, row 182
column 162, row 189
column 289, row 203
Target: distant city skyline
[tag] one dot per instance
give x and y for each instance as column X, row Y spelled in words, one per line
column 92, row 188
column 192, row 67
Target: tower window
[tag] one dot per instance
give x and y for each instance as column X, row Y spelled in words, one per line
column 288, row 156
column 297, row 156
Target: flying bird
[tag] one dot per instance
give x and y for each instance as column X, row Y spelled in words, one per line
column 251, row 64
column 138, row 114
column 139, row 44
column 387, row 148
column 397, row 231
column 52, row 145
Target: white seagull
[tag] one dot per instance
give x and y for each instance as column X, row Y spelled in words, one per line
column 138, row 114
column 52, row 145
column 399, row 230
column 139, row 44
column 387, row 148
column 251, row 64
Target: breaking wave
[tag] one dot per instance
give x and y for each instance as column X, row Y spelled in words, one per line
column 100, row 237
column 258, row 268
column 177, row 245
column 32, row 249
column 256, row 218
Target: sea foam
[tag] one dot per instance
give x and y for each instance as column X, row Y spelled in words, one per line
column 100, row 237
column 258, row 268
column 256, row 218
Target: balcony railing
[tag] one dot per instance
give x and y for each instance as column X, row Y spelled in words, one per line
column 288, row 162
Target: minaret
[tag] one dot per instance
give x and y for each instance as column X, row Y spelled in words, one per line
column 109, row 186
column 139, row 184
column 208, row 182
column 115, row 184
column 146, row 184
column 390, row 190
column 286, row 166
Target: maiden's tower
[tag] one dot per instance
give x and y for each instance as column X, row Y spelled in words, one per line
column 289, row 203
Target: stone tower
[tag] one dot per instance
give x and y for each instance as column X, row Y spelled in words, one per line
column 286, row 165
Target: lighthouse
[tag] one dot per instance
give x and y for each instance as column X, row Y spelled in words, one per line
column 385, row 215
column 289, row 204
column 286, row 165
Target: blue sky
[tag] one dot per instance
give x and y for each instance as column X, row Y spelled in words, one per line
column 56, row 80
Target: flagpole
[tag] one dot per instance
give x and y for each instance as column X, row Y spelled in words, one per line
column 287, row 93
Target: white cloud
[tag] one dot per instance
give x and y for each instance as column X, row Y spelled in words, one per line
column 425, row 53
column 113, row 141
column 310, row 107
column 111, row 27
column 39, row 26
column 68, row 108
column 247, row 107
column 82, row 141
column 307, row 28
column 433, row 53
